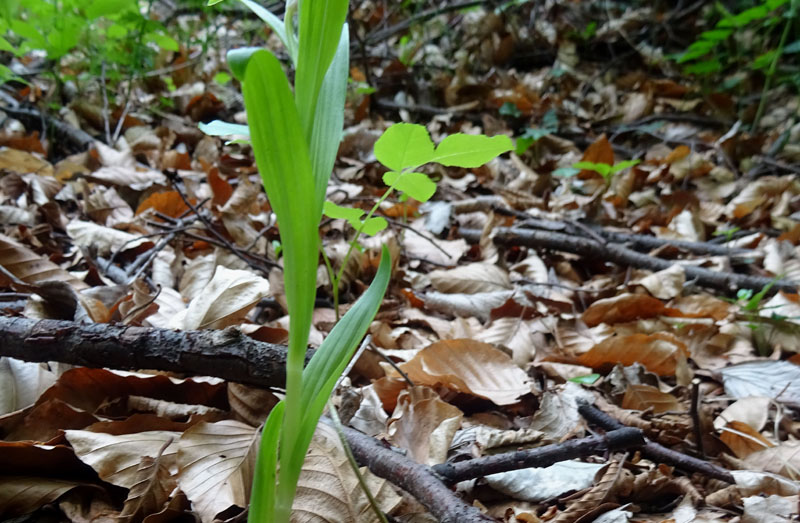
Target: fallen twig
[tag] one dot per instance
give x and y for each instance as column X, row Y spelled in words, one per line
column 727, row 282
column 655, row 451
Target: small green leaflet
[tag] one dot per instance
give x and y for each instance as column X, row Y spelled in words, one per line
column 404, row 146
column 353, row 216
column 415, row 185
column 585, row 380
column 220, row 128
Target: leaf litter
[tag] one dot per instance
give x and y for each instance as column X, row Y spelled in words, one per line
column 493, row 345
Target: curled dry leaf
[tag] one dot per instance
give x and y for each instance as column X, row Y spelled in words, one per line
column 540, row 484
column 659, row 353
column 753, row 411
column 758, row 193
column 30, row 267
column 224, row 301
column 21, row 495
column 477, row 305
column 665, row 284
column 558, row 413
column 470, row 279
column 424, row 425
column 643, row 397
column 622, row 308
column 752, row 483
column 328, row 489
column 150, row 493
column 216, row 464
column 21, row 383
column 471, row 367
column 783, row 459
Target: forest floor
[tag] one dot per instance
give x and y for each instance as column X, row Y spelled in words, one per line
column 533, row 306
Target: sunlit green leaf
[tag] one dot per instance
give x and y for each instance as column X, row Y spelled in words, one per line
column 404, row 146
column 262, row 502
column 238, row 59
column 374, row 225
column 337, row 212
column 617, row 167
column 416, row 185
column 467, row 150
column 220, row 128
column 601, row 168
column 588, row 379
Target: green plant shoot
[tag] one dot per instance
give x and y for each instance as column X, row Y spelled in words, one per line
column 295, row 134
column 403, row 149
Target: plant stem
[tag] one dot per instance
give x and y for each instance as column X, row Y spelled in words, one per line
column 772, row 68
column 331, row 277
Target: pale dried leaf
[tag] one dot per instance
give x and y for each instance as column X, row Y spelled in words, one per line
column 779, row 380
column 772, row 509
column 643, row 397
column 150, row 492
column 21, row 383
column 216, row 463
column 471, row 367
column 783, row 459
column 753, row 410
column 664, row 284
column 328, row 489
column 558, row 413
column 224, row 301
column 104, row 239
column 513, row 333
column 30, row 267
column 116, row 458
column 470, row 279
column 23, row 494
column 540, row 484
column 424, row 425
column 465, row 305
column 752, row 483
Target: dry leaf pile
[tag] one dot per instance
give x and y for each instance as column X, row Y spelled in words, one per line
column 666, row 295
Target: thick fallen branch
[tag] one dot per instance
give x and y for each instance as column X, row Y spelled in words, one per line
column 225, row 353
column 727, row 282
column 74, row 139
column 657, row 452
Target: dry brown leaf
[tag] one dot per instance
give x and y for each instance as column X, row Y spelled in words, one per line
column 470, row 279
column 703, row 306
column 30, row 267
column 783, row 459
column 249, row 404
column 598, row 152
column 116, row 458
column 770, row 509
column 757, row 193
column 471, row 367
column 105, row 239
column 622, row 308
column 216, row 463
column 513, row 333
column 465, row 305
column 328, row 489
column 169, row 203
column 657, row 352
column 129, row 176
column 224, row 301
column 743, row 439
column 665, row 284
column 22, row 162
column 21, row 495
column 424, row 425
column 150, row 493
column 643, row 397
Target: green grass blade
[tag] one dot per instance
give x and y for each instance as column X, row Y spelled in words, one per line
column 262, row 497
column 274, row 23
column 332, row 357
column 320, row 28
column 329, row 120
column 282, row 156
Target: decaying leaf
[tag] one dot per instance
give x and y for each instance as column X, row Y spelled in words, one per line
column 742, row 439
column 779, row 380
column 471, row 367
column 150, row 492
column 540, row 484
column 328, row 489
column 643, row 397
column 21, row 495
column 659, row 353
column 30, row 267
column 470, row 279
column 21, row 383
column 622, row 308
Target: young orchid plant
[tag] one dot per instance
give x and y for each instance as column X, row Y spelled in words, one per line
column 295, row 135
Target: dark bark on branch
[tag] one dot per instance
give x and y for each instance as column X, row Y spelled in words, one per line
column 74, row 139
column 225, row 354
column 727, row 282
column 624, row 438
column 656, row 452
column 418, row 480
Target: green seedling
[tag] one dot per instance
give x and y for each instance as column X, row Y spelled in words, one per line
column 509, row 109
column 588, row 379
column 532, row 135
column 727, row 233
column 605, row 170
column 403, row 149
column 295, row 134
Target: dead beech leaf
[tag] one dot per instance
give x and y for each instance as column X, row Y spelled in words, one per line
column 769, row 509
column 21, row 383
column 105, row 239
column 513, row 333
column 757, row 193
column 30, row 267
column 478, row 305
column 129, row 176
column 21, row 495
column 742, row 439
column 752, row 483
column 558, row 413
column 783, row 459
column 328, row 489
column 470, row 279
column 224, row 301
column 150, row 493
column 779, row 380
column 424, row 425
column 665, row 284
column 471, row 367
column 702, row 306
column 657, row 352
column 598, row 152
column 643, row 397
column 216, row 463
column 622, row 308
column 169, row 203
column 753, row 410
column 116, row 458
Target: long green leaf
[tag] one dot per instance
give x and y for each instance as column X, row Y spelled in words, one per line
column 466, row 150
column 320, row 29
column 328, row 363
column 274, row 23
column 329, row 119
column 282, row 156
column 262, row 497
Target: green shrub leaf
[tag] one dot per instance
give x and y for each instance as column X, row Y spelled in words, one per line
column 416, row 185
column 404, row 146
column 466, row 150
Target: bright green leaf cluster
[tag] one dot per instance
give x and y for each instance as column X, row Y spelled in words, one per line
column 605, row 170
